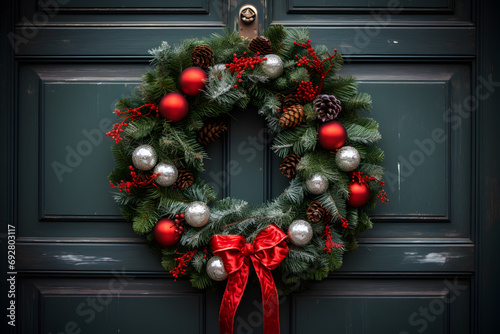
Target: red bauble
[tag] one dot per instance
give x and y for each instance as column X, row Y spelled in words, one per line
column 359, row 194
column 192, row 80
column 332, row 135
column 173, row 107
column 166, row 232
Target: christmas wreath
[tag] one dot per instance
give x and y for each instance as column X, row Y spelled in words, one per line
column 329, row 153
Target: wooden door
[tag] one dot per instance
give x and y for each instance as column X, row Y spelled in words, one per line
column 80, row 268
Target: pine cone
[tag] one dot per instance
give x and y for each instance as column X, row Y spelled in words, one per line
column 293, row 116
column 289, row 165
column 184, row 179
column 261, row 44
column 290, row 100
column 203, row 56
column 315, row 212
column 211, row 132
column 327, row 106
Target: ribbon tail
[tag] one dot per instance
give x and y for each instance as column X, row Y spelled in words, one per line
column 235, row 287
column 270, row 301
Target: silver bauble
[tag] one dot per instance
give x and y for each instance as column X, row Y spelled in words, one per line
column 168, row 174
column 197, row 214
column 347, row 158
column 317, row 184
column 300, row 232
column 215, row 269
column 144, row 157
column 273, row 66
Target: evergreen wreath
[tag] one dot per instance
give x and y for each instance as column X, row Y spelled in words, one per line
column 329, row 151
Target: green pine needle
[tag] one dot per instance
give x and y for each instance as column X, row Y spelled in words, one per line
column 225, row 93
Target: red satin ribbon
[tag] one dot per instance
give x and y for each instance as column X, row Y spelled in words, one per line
column 267, row 251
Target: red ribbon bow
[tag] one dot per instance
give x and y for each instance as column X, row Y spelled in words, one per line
column 267, row 251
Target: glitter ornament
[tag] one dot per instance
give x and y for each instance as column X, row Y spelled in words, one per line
column 168, row 174
column 347, row 158
column 197, row 214
column 317, row 184
column 215, row 269
column 166, row 232
column 144, row 157
column 272, row 66
column 300, row 232
column 192, row 80
column 173, row 107
column 332, row 135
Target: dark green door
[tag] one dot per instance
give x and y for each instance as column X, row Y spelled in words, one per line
column 426, row 267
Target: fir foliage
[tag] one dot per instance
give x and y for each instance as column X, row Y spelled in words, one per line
column 224, row 94
column 276, row 35
column 297, row 140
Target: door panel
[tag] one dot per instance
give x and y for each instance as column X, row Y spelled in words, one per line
column 427, row 147
column 191, row 6
column 349, row 12
column 64, row 114
column 387, row 306
column 247, row 154
column 119, row 304
column 416, row 59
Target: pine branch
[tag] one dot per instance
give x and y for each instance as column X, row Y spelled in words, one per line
column 362, row 101
column 363, row 130
column 201, row 280
column 176, row 143
column 199, row 261
column 294, row 193
column 298, row 140
column 343, row 88
column 369, row 153
column 276, row 35
column 320, row 162
column 141, row 127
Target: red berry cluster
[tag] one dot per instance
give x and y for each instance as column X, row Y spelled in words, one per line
column 327, row 233
column 361, row 178
column 182, row 262
column 242, row 63
column 345, row 223
column 131, row 114
column 314, row 64
column 302, row 61
column 179, row 223
column 115, row 133
column 142, row 180
column 329, row 243
column 306, row 91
